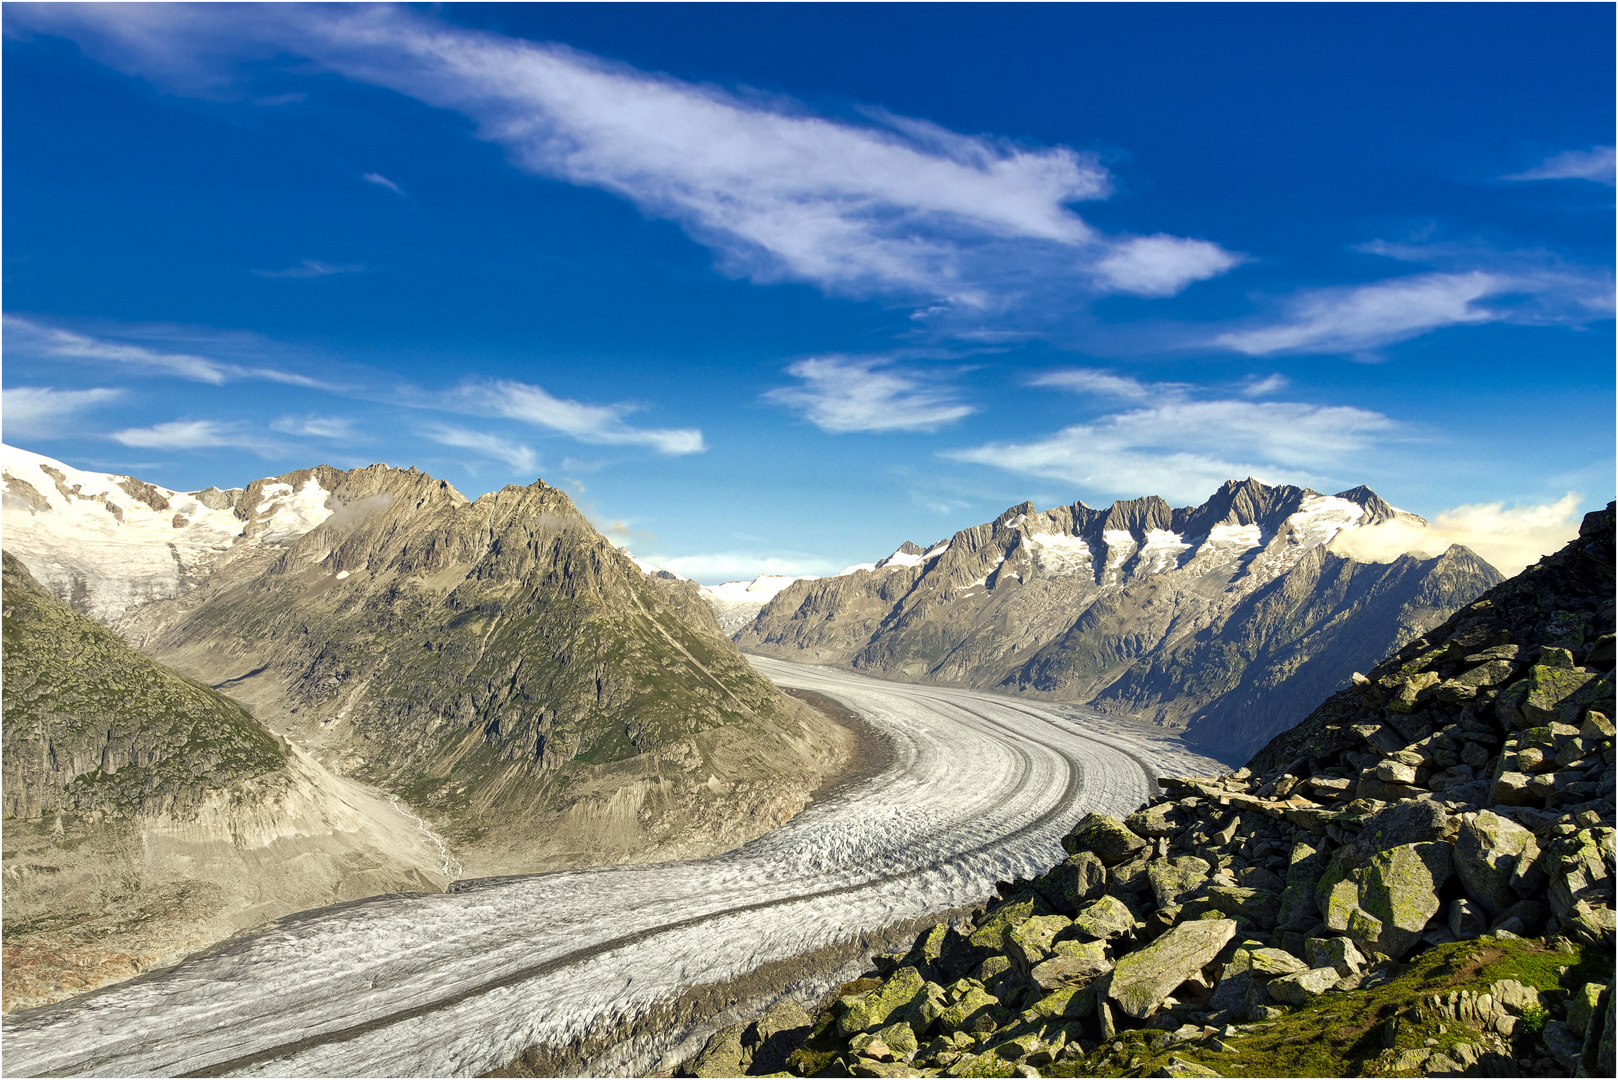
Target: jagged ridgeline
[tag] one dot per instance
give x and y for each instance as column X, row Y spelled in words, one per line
column 501, row 665
column 1418, row 879
column 1226, row 620
column 91, row 726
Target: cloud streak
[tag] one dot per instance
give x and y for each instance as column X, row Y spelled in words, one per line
column 601, row 424
column 893, row 207
column 28, row 338
column 311, row 268
column 842, row 394
column 39, row 411
column 1596, row 164
column 194, row 435
column 518, row 456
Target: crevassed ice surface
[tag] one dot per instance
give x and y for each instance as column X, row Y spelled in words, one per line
column 981, row 789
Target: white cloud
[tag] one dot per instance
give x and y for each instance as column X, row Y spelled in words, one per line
column 311, row 268
column 841, row 394
column 895, row 206
column 192, row 435
column 1162, row 265
column 1182, row 450
column 1596, row 163
column 1270, row 384
column 1365, row 317
column 1507, row 539
column 1098, row 383
column 518, row 456
column 602, row 424
column 27, row 338
column 36, row 411
column 381, row 181
column 317, row 427
column 715, row 568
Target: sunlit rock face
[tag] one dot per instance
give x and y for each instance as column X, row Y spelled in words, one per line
column 1229, row 619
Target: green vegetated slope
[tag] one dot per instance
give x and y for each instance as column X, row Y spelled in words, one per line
column 498, row 663
column 1418, row 879
column 91, row 725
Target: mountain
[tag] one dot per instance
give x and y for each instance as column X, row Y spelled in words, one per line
column 1416, row 880
column 1222, row 619
column 735, row 603
column 496, row 664
column 148, row 815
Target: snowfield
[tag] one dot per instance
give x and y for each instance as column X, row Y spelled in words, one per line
column 981, row 788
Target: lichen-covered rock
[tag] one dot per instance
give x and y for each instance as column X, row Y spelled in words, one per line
column 1299, row 910
column 1255, row 905
column 1105, row 919
column 723, row 1055
column 1173, row 880
column 1496, row 860
column 1338, row 954
column 1398, row 889
column 975, row 1010
column 1106, row 836
column 1158, row 820
column 1065, row 1003
column 1549, row 689
column 1073, row 883
column 1143, row 978
column 1300, row 987
column 1270, row 963
column 1075, row 964
column 871, row 1010
column 991, row 932
column 1514, row 789
column 1029, row 942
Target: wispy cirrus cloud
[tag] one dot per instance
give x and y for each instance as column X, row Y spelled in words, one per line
column 713, row 568
column 602, row 424
column 40, row 411
column 28, row 338
column 195, row 435
column 312, row 268
column 1597, row 164
column 382, row 182
column 893, row 206
column 518, row 456
column 339, row 428
column 842, row 394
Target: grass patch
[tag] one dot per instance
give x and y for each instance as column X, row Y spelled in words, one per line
column 1343, row 1034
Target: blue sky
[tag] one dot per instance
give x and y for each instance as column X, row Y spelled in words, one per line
column 773, row 288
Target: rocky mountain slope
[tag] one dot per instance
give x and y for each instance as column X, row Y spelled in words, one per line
column 1418, row 879
column 147, row 815
column 1226, row 620
column 736, row 603
column 496, row 664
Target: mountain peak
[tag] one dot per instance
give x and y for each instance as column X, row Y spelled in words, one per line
column 1376, row 510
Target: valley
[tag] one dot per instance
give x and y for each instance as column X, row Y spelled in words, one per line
column 979, row 788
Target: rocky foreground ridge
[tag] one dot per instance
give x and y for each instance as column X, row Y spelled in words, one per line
column 1416, row 880
column 1225, row 621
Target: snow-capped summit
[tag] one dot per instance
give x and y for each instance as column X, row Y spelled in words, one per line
column 735, row 603
column 110, row 542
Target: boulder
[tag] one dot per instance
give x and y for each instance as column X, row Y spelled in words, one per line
column 1075, row 964
column 1071, row 884
column 1514, row 789
column 1106, row 836
column 776, row 1034
column 976, row 1010
column 1466, row 920
column 1339, row 954
column 871, row 1010
column 1398, row 894
column 991, row 932
column 723, row 1055
column 1174, row 880
column 1143, row 978
column 1029, row 942
column 1159, row 820
column 1255, row 905
column 1412, row 822
column 1495, row 859
column 1270, row 963
column 1064, row 1003
column 1579, row 867
column 1299, row 988
column 1105, row 919
column 1549, row 689
column 1298, row 907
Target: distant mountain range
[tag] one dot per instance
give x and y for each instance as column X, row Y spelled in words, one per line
column 1228, row 620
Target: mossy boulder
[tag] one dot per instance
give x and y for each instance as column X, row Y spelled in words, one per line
column 1398, row 891
column 1029, row 942
column 1174, row 880
column 1143, row 978
column 1496, row 860
column 1070, row 884
column 871, row 1010
column 1106, row 836
column 1105, row 919
column 992, row 930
